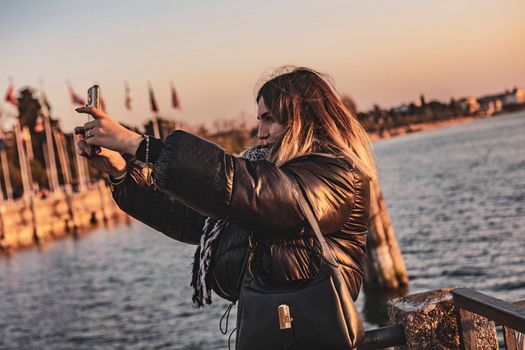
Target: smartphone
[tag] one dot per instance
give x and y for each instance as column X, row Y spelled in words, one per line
column 93, row 98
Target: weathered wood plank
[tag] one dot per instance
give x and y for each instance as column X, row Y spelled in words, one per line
column 514, row 340
column 497, row 310
column 467, row 333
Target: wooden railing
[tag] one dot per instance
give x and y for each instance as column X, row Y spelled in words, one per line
column 510, row 316
column 384, row 337
column 473, row 327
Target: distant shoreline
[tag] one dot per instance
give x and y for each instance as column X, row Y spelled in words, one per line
column 404, row 130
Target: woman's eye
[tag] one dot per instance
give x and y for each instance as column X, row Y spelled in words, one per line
column 266, row 118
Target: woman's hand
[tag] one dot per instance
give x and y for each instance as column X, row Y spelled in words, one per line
column 103, row 159
column 107, row 133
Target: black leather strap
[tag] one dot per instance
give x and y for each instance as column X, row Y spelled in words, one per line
column 308, row 213
column 326, row 253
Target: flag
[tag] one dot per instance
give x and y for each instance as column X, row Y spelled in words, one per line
column 10, row 96
column 39, row 124
column 127, row 100
column 152, row 101
column 75, row 99
column 175, row 98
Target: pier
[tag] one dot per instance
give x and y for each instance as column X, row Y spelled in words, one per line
column 31, row 221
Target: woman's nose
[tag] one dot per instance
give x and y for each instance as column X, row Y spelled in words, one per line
column 262, row 132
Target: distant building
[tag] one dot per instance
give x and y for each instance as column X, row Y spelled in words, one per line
column 515, row 97
column 469, row 105
column 401, row 110
column 491, row 104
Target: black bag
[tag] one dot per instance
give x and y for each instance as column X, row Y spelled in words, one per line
column 322, row 314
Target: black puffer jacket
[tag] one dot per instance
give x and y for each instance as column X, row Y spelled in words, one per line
column 196, row 179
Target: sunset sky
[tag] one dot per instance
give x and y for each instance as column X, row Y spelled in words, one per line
column 215, row 52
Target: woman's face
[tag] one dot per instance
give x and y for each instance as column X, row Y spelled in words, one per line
column 269, row 128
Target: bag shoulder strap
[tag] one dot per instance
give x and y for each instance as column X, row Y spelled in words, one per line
column 308, row 213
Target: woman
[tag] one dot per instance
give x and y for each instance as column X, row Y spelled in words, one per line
column 202, row 195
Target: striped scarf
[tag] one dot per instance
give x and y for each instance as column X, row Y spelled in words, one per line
column 211, row 231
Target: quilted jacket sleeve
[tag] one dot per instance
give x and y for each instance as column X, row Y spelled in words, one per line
column 256, row 195
column 158, row 209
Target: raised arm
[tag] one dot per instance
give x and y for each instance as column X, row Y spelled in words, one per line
column 158, row 209
column 256, row 195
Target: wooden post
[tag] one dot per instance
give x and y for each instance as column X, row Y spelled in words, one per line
column 53, row 173
column 27, row 178
column 71, row 223
column 26, row 136
column 156, row 129
column 7, row 176
column 514, row 340
column 101, row 191
column 48, row 170
column 475, row 331
column 429, row 321
column 87, row 175
column 5, row 247
column 80, row 169
column 51, row 166
column 385, row 267
column 63, row 157
column 23, row 161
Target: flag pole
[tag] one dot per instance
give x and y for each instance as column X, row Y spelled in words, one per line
column 175, row 102
column 87, row 175
column 26, row 136
column 11, row 98
column 80, row 168
column 53, row 173
column 81, row 177
column 156, row 131
column 7, row 178
column 25, row 167
column 63, row 158
column 23, row 161
column 155, row 109
column 48, row 167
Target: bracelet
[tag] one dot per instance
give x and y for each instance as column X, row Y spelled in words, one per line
column 118, row 179
column 147, row 148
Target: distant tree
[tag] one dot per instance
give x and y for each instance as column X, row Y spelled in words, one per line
column 28, row 108
column 377, row 113
column 412, row 108
column 422, row 100
column 350, row 104
column 202, row 131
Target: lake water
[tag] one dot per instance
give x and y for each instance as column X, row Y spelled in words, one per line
column 457, row 200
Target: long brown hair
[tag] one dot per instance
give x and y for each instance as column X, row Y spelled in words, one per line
column 315, row 119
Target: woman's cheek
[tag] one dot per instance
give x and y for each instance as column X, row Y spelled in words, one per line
column 277, row 130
